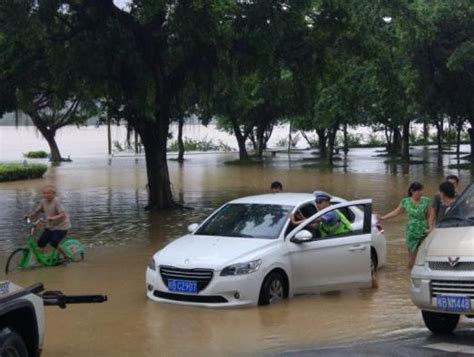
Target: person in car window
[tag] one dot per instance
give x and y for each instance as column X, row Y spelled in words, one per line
column 417, row 208
column 447, row 194
column 438, row 208
column 333, row 222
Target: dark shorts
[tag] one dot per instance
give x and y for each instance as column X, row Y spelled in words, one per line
column 51, row 237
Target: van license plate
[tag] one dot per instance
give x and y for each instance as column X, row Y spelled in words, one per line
column 453, row 303
column 182, row 286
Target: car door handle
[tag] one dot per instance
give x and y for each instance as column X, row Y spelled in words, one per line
column 356, row 248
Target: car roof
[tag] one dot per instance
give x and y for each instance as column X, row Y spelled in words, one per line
column 282, row 198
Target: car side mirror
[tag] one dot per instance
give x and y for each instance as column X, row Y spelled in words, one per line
column 302, row 236
column 192, row 227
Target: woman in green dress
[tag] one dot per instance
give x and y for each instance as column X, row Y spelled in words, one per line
column 417, row 208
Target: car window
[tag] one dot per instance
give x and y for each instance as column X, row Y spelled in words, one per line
column 331, row 225
column 462, row 212
column 346, row 211
column 247, row 220
column 306, row 210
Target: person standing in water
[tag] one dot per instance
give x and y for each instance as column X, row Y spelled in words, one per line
column 438, row 207
column 417, row 208
column 276, row 187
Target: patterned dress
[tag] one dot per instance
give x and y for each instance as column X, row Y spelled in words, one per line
column 417, row 225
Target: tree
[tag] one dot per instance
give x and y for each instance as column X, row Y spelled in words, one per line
column 444, row 59
column 37, row 73
column 144, row 62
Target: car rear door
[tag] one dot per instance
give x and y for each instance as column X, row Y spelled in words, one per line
column 335, row 262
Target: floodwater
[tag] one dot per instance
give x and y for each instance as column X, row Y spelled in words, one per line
column 105, row 200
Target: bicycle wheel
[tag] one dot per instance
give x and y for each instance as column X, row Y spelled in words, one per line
column 74, row 249
column 17, row 260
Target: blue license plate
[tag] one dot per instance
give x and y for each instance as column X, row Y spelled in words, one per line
column 183, row 286
column 453, row 303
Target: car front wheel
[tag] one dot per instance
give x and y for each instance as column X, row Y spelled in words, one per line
column 11, row 344
column 440, row 323
column 273, row 289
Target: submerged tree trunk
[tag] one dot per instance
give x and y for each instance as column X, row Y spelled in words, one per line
column 458, row 139
column 322, row 138
column 253, row 140
column 49, row 134
column 241, row 139
column 154, row 137
column 406, row 142
column 180, row 140
column 439, row 135
column 388, row 138
column 312, row 144
column 346, row 139
column 331, row 143
column 109, row 137
column 397, row 142
column 263, row 135
column 471, row 139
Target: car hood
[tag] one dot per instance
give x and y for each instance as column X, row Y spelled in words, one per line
column 455, row 241
column 213, row 252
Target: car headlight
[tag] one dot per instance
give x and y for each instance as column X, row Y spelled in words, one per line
column 242, row 268
column 152, row 264
column 421, row 254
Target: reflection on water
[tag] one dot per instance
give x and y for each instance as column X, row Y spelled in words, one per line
column 106, row 206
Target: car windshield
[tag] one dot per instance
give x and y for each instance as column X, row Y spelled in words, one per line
column 462, row 213
column 247, row 220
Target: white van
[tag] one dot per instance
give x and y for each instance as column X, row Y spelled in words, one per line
column 442, row 280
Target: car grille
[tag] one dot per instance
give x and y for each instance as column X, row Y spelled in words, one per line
column 210, row 299
column 442, row 287
column 462, row 266
column 202, row 276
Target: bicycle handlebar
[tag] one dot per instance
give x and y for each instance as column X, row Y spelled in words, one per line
column 29, row 221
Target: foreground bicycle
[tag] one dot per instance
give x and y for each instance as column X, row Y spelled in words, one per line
column 30, row 254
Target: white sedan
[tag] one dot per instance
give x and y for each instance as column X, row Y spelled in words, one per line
column 248, row 252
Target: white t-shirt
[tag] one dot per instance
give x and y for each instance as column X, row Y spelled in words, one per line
column 53, row 208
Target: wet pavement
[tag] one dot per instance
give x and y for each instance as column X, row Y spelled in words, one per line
column 422, row 344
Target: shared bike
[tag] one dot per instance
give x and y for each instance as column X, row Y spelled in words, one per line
column 30, row 255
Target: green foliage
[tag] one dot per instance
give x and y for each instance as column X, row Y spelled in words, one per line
column 374, row 141
column 199, row 145
column 36, row 154
column 354, row 140
column 14, row 171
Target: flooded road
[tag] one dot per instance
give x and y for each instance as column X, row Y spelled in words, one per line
column 106, row 207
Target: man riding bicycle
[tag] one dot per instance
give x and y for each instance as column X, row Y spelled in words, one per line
column 57, row 220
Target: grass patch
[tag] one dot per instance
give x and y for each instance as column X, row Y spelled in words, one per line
column 465, row 166
column 199, row 145
column 12, row 172
column 36, row 154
